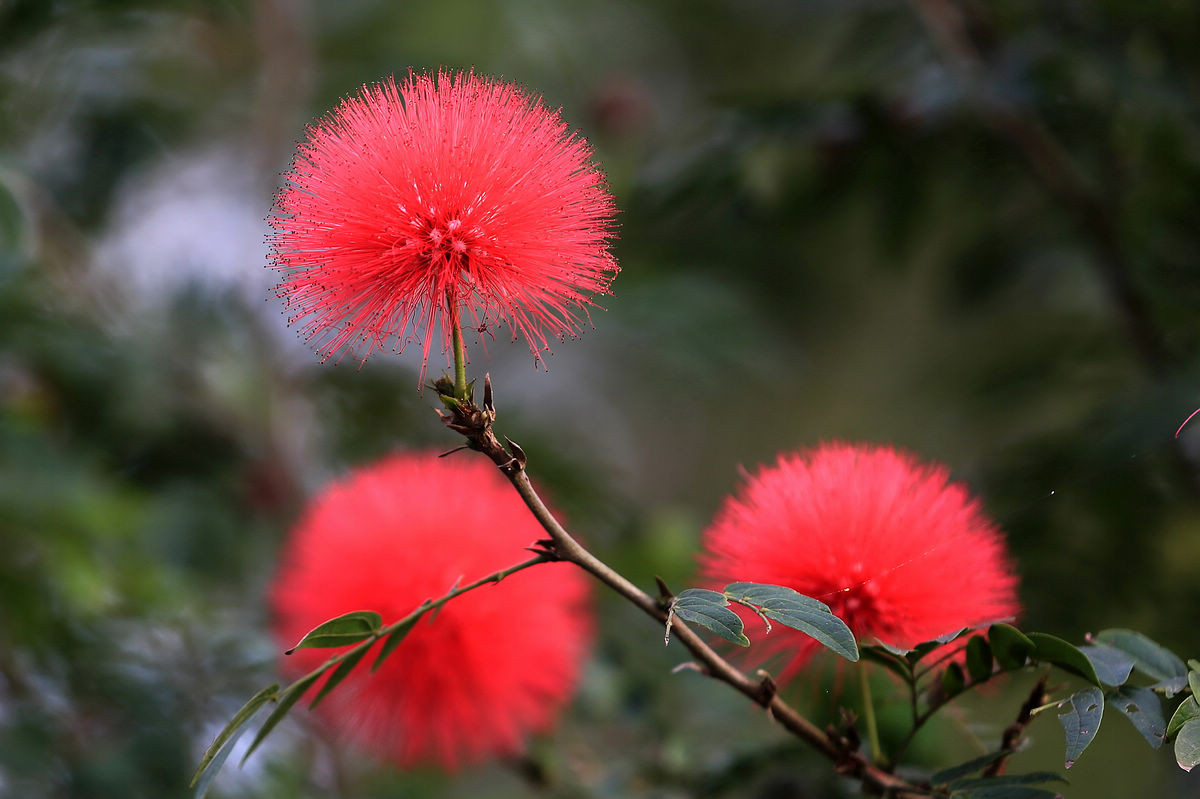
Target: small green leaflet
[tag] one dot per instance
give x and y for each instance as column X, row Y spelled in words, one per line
column 1143, row 708
column 1188, row 709
column 1156, row 662
column 710, row 610
column 1010, row 646
column 1049, row 649
column 971, row 786
column 1080, row 719
column 979, row 659
column 1187, row 745
column 290, row 696
column 1112, row 665
column 346, row 629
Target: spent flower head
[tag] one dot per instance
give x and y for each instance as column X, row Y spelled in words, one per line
column 897, row 551
column 443, row 197
column 491, row 667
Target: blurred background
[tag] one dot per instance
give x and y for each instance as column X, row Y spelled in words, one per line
column 967, row 229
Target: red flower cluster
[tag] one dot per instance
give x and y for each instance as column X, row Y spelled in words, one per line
column 441, row 195
column 492, row 667
column 896, row 551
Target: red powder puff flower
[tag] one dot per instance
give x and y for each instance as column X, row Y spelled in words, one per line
column 434, row 196
column 492, row 667
column 896, row 551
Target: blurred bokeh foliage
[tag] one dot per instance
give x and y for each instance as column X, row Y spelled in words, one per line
column 966, row 228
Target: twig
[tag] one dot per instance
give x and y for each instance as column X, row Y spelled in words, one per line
column 476, row 425
column 1014, row 731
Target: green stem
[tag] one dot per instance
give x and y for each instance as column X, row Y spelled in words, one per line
column 460, row 359
column 869, row 712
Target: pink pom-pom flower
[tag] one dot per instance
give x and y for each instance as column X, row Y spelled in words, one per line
column 494, row 665
column 413, row 204
column 896, row 550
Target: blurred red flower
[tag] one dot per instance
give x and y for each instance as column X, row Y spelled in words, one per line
column 454, row 191
column 896, row 551
column 494, row 666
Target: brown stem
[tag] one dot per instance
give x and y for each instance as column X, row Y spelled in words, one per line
column 1014, row 731
column 476, row 424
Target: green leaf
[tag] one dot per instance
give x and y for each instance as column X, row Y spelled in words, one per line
column 1156, row 662
column 1081, row 720
column 893, row 663
column 291, row 695
column 349, row 661
column 393, row 639
column 348, row 629
column 1032, row 778
column 1194, row 682
column 239, row 718
column 708, row 609
column 1187, row 745
column 952, row 679
column 1112, row 665
column 1010, row 646
column 979, row 659
column 1144, row 709
column 1049, row 649
column 1188, row 709
column 1006, row 792
column 970, row 767
column 795, row 610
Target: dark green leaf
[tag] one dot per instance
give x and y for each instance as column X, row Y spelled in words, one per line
column 349, row 661
column 241, row 717
column 893, row 663
column 1049, row 649
column 1194, row 682
column 1032, row 778
column 803, row 613
column 952, row 679
column 290, row 696
column 827, row 629
column 963, row 769
column 1112, row 665
column 1187, row 745
column 979, row 659
column 1156, row 662
column 1188, row 709
column 707, row 608
column 1006, row 792
column 1144, row 709
column 1010, row 646
column 762, row 593
column 348, row 629
column 1080, row 719
column 393, row 640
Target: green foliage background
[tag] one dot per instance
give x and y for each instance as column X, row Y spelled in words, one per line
column 859, row 220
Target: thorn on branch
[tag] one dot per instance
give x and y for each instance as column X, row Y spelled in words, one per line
column 488, row 405
column 546, row 548
column 664, row 594
column 519, row 457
